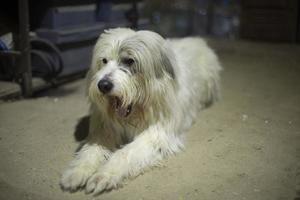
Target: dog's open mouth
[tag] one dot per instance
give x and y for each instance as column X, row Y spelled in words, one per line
column 121, row 110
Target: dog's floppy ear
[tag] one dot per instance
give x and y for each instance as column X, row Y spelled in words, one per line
column 167, row 60
column 164, row 60
column 157, row 52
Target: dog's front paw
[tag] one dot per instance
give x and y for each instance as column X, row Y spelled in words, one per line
column 100, row 182
column 75, row 178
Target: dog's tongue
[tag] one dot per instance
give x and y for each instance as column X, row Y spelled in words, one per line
column 121, row 110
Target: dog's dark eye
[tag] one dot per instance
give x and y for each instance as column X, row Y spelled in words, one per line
column 128, row 61
column 104, row 60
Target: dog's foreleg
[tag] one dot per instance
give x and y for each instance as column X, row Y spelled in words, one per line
column 88, row 159
column 85, row 163
column 145, row 151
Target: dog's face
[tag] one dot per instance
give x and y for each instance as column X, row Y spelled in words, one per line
column 129, row 70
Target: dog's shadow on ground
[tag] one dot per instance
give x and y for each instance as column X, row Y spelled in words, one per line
column 82, row 128
column 81, row 131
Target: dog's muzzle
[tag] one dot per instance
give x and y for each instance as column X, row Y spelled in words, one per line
column 105, row 86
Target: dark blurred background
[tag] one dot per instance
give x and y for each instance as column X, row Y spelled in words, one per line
column 246, row 147
column 46, row 43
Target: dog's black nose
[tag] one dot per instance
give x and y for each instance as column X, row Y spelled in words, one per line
column 105, row 86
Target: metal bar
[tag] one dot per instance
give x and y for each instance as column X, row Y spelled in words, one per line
column 10, row 53
column 210, row 17
column 135, row 15
column 24, row 45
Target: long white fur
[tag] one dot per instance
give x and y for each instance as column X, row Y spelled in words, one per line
column 175, row 79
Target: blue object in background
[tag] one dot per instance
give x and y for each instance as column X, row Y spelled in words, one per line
column 103, row 11
column 3, row 47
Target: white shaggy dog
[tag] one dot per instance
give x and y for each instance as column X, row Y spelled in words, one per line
column 145, row 93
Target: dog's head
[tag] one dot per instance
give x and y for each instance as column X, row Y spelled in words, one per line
column 130, row 71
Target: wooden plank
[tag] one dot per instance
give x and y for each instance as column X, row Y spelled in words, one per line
column 9, row 89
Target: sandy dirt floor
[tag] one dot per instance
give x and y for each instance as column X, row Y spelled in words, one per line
column 247, row 146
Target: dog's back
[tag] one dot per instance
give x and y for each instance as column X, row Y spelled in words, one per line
column 197, row 73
